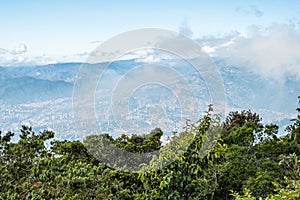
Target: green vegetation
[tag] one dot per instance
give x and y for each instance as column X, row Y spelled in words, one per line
column 240, row 158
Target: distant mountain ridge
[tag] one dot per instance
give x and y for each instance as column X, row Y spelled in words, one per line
column 243, row 89
column 30, row 90
column 53, row 72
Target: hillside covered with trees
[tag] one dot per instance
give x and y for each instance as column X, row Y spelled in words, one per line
column 245, row 160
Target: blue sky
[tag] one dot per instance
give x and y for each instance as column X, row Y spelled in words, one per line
column 53, row 30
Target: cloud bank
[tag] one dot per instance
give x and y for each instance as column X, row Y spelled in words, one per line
column 273, row 52
column 19, row 57
column 14, row 56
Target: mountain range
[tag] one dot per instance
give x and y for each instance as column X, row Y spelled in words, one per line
column 274, row 100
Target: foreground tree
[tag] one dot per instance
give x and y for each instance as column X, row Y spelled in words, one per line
column 240, row 158
column 288, row 163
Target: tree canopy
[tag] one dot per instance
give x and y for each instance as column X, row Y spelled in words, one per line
column 238, row 158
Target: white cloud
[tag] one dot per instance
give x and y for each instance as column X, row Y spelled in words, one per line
column 149, row 59
column 146, row 56
column 12, row 60
column 208, row 49
column 14, row 57
column 221, row 43
column 22, row 48
column 19, row 57
column 273, row 52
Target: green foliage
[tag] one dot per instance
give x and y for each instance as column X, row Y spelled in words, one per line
column 125, row 152
column 240, row 158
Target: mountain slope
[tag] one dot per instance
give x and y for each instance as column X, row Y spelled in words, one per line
column 29, row 90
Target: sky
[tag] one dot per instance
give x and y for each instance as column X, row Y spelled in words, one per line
column 42, row 32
